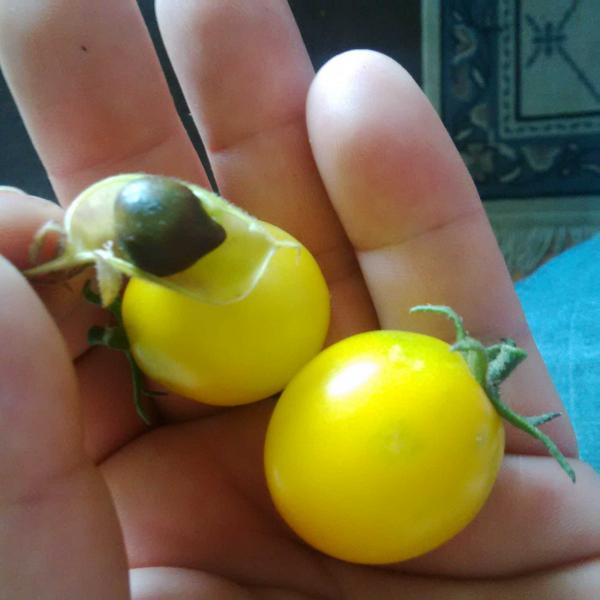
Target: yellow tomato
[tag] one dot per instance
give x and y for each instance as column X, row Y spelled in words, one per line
column 233, row 353
column 382, row 447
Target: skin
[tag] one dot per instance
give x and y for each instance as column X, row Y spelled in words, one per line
column 354, row 163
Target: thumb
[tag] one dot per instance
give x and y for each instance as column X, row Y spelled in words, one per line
column 60, row 534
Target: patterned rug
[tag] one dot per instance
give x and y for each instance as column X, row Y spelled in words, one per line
column 517, row 84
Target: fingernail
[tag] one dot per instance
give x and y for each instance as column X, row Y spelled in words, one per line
column 14, row 190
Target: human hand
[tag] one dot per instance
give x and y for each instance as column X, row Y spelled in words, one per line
column 365, row 175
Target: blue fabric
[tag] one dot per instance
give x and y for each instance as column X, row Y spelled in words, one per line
column 562, row 303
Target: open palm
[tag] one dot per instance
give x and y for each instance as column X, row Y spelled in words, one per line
column 354, row 163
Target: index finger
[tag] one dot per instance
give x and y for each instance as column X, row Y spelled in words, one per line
column 91, row 92
column 245, row 78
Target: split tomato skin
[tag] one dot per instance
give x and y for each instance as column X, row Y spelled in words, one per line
column 382, row 448
column 233, row 353
column 161, row 227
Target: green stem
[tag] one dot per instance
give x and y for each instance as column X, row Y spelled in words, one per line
column 62, row 263
column 490, row 366
column 541, row 419
column 447, row 312
column 137, row 379
column 473, row 350
column 528, row 425
column 115, row 338
column 475, row 354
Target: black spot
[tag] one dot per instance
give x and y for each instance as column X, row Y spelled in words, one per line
column 84, row 48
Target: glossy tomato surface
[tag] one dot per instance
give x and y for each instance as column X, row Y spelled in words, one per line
column 382, row 447
column 233, row 353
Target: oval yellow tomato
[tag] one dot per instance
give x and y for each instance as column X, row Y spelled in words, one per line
column 233, row 353
column 382, row 447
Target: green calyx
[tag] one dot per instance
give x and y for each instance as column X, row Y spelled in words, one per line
column 490, row 366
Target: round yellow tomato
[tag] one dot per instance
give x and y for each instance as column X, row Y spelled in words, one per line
column 232, row 353
column 382, row 447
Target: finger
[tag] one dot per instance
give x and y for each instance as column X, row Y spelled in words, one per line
column 105, row 381
column 171, row 583
column 245, row 77
column 107, row 404
column 574, row 581
column 414, row 217
column 535, row 519
column 577, row 581
column 104, row 378
column 20, row 218
column 221, row 519
column 90, row 89
column 60, row 536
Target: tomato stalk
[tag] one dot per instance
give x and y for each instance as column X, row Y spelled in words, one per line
column 490, row 366
column 115, row 337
